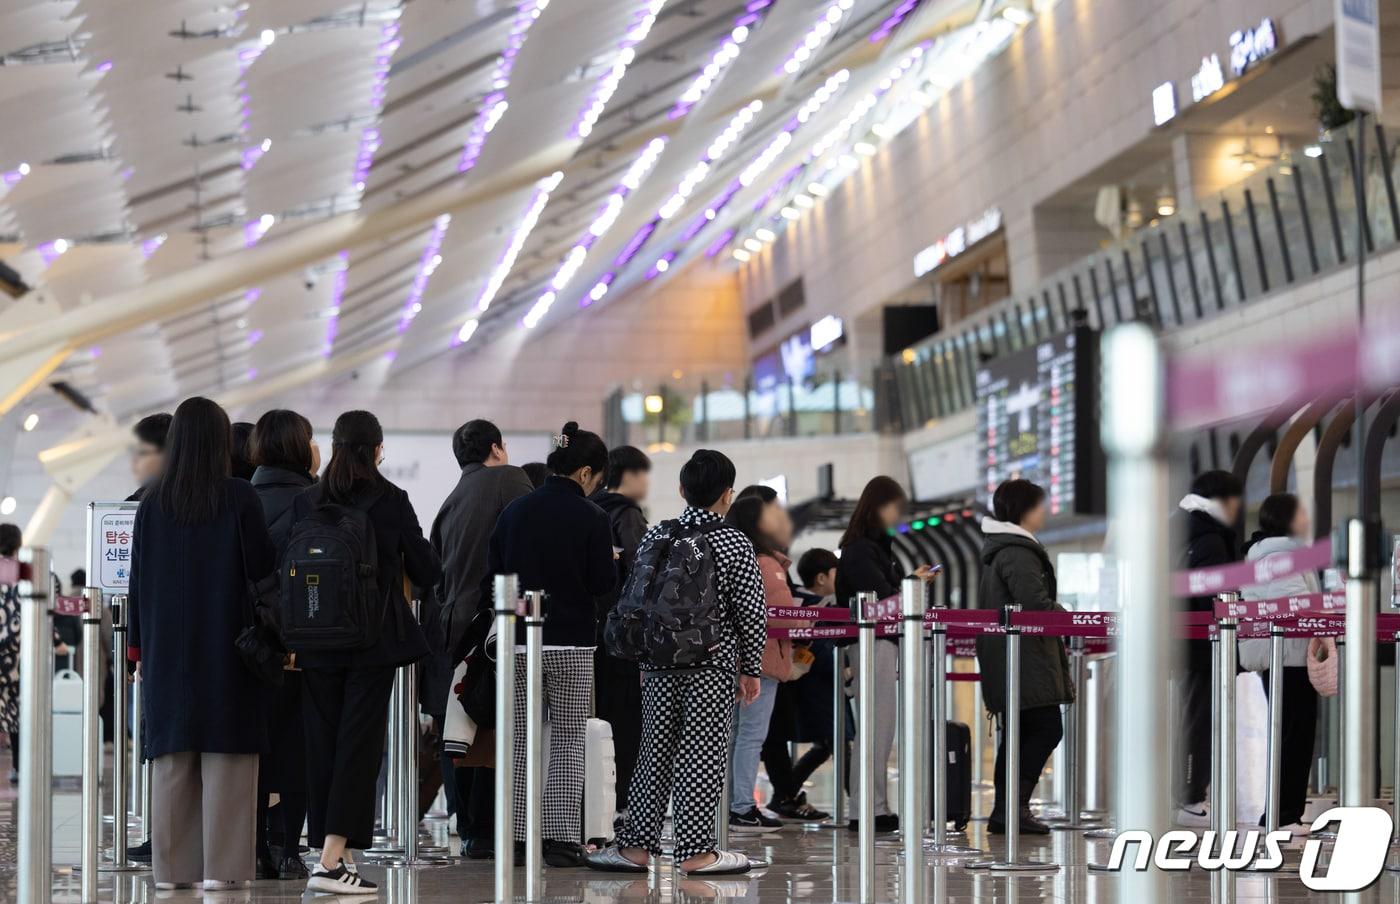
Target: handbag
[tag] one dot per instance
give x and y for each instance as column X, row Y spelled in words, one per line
column 259, row 644
column 1322, row 665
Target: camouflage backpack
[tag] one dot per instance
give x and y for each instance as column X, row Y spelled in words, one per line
column 669, row 614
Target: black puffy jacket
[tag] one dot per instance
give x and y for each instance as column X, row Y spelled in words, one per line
column 1016, row 571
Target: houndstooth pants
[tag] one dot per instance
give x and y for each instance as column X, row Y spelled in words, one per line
column 685, row 741
column 568, row 699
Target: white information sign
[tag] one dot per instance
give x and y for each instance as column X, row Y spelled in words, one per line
column 110, row 529
column 1359, row 55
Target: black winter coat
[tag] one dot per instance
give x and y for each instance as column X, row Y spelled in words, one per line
column 188, row 601
column 402, row 550
column 1017, row 571
column 628, row 525
column 278, row 489
column 1201, row 541
column 868, row 564
column 557, row 541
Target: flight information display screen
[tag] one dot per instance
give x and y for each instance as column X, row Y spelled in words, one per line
column 1037, row 419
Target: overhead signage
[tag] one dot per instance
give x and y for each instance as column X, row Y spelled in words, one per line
column 1250, row 45
column 1163, row 103
column 957, row 241
column 1359, row 55
column 826, row 331
column 1208, row 79
column 111, row 528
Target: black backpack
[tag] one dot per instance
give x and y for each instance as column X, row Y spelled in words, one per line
column 669, row 614
column 330, row 595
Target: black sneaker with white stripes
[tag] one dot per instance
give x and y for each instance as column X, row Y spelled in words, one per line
column 339, row 881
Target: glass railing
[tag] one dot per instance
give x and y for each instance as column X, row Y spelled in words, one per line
column 1286, row 223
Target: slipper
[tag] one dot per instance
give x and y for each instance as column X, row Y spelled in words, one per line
column 611, row 860
column 727, row 863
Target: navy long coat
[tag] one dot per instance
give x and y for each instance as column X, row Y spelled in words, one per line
column 188, row 601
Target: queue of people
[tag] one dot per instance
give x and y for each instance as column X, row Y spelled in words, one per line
column 242, row 764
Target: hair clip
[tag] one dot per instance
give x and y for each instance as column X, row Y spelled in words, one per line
column 560, row 440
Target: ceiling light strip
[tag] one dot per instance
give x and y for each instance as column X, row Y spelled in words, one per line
column 727, row 53
column 642, row 21
column 338, row 281
column 517, row 241
column 894, row 20
column 823, row 28
column 389, row 42
column 493, row 105
column 606, row 217
column 430, row 260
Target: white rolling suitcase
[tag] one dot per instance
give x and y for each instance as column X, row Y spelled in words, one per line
column 67, row 724
column 599, row 780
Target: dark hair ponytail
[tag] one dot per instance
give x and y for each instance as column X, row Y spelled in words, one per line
column 352, row 467
column 1276, row 515
column 575, row 449
column 197, row 460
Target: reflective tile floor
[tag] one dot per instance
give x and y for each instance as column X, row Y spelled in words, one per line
column 816, row 864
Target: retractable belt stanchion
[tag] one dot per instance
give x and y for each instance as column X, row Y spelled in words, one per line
column 1224, row 775
column 407, row 789
column 913, row 693
column 1011, row 744
column 1075, row 737
column 534, row 743
column 92, row 742
column 1215, row 735
column 940, row 846
column 119, row 746
column 865, row 737
column 838, row 736
column 35, row 729
column 1275, row 747
column 1359, row 664
column 137, row 803
column 507, row 602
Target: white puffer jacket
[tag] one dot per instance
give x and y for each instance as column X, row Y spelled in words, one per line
column 1254, row 652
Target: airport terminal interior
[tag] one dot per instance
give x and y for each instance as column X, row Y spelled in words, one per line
column 923, row 450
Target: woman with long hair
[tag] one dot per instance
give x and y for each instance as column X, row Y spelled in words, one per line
column 346, row 692
column 557, row 541
column 1284, row 526
column 285, row 457
column 199, row 540
column 868, row 565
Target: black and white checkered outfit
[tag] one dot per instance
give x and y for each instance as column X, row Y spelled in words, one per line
column 686, row 712
column 568, row 700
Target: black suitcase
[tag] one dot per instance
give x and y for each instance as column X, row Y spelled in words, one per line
column 958, row 775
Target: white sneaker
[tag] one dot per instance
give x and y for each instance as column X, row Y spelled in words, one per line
column 339, row 881
column 221, row 884
column 171, row 886
column 1193, row 815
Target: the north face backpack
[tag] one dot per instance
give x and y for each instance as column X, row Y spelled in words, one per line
column 330, row 598
column 669, row 614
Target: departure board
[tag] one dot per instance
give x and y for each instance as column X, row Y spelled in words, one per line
column 1037, row 416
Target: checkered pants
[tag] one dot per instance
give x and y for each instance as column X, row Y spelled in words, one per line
column 568, row 700
column 685, row 739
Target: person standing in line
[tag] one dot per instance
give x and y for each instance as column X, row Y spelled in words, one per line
column 813, row 718
column 619, row 683
column 286, row 459
column 1204, row 531
column 686, row 712
column 1284, row 526
column 461, row 534
column 760, row 517
column 868, row 565
column 147, row 458
column 536, row 471
column 199, row 540
column 1016, row 571
column 346, row 692
column 557, row 541
column 242, row 456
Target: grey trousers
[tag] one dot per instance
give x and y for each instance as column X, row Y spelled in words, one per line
column 886, row 712
column 203, row 808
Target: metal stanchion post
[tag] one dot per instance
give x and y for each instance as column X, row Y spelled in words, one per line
column 940, row 846
column 913, row 694
column 119, row 746
column 1225, row 726
column 1276, row 636
column 92, row 742
column 1075, row 736
column 35, row 729
column 534, row 746
column 408, row 764
column 865, row 740
column 838, row 736
column 507, row 602
column 1011, row 744
column 1215, row 735
column 1133, row 389
column 137, row 803
column 1358, row 721
column 978, row 726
